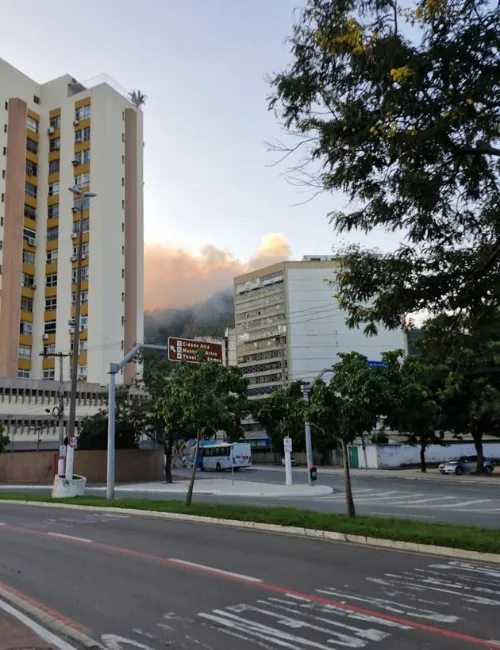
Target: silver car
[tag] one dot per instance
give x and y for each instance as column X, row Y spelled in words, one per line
column 465, row 465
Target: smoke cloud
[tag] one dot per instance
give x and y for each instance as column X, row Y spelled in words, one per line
column 174, row 277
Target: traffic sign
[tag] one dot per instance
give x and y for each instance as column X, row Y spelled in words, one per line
column 287, row 445
column 186, row 350
column 375, row 364
column 73, row 442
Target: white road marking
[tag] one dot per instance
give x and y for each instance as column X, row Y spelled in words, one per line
column 463, row 504
column 214, row 570
column 114, row 642
column 44, row 634
column 76, row 539
column 2, row 524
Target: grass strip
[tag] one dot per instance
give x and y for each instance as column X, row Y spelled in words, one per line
column 471, row 538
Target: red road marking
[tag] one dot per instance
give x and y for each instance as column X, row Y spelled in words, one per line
column 262, row 585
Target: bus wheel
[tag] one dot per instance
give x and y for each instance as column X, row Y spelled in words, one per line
column 217, row 467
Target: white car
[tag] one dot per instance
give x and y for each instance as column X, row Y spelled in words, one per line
column 465, row 465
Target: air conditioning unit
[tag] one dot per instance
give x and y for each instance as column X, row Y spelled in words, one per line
column 33, row 286
column 83, row 327
column 31, row 241
column 74, row 235
column 82, row 377
column 45, row 337
column 74, row 210
column 76, row 122
column 84, row 256
column 71, row 330
column 51, row 130
column 74, row 258
column 71, row 322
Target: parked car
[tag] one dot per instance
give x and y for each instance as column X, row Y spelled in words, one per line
column 465, row 465
column 294, row 462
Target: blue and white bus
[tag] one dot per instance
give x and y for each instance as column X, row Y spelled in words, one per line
column 223, row 455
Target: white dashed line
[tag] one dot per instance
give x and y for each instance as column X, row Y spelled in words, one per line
column 203, row 567
column 76, row 539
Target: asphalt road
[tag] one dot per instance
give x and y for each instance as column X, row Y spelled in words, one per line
column 132, row 582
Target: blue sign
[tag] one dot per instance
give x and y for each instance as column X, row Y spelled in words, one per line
column 377, row 364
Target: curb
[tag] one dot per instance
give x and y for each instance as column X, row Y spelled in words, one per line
column 50, row 622
column 427, row 549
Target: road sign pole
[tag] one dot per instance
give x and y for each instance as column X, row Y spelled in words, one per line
column 70, row 458
column 287, row 446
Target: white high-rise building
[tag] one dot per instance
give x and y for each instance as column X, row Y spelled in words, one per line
column 55, row 136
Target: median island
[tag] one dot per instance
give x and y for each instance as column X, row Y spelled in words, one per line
column 470, row 538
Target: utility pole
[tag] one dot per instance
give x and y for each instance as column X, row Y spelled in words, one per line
column 307, row 427
column 60, row 408
column 76, row 335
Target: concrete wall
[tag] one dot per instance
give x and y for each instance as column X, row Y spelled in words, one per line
column 394, row 456
column 38, row 467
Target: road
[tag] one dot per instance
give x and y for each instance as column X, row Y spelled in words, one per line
column 132, row 582
column 439, row 500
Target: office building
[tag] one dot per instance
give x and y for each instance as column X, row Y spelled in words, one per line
column 54, row 136
column 289, row 327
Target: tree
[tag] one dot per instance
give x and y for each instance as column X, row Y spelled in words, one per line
column 202, row 399
column 399, row 108
column 352, row 402
column 414, row 401
column 4, row 439
column 469, row 361
column 283, row 415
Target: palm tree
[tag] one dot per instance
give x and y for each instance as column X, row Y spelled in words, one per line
column 137, row 98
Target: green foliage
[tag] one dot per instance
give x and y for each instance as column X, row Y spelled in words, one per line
column 399, row 108
column 414, row 407
column 379, row 438
column 282, row 414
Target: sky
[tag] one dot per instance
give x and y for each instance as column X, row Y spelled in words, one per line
column 214, row 201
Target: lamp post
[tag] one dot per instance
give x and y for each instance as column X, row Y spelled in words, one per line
column 76, row 336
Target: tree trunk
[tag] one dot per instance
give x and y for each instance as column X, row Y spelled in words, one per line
column 167, row 446
column 189, row 495
column 477, row 436
column 349, row 501
column 423, row 464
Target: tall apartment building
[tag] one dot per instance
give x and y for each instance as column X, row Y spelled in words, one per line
column 54, row 136
column 289, row 327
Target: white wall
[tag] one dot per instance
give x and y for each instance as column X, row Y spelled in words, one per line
column 316, row 326
column 394, row 456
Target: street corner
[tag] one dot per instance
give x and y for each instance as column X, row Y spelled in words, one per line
column 16, row 636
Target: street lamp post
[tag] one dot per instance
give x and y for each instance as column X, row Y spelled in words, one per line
column 76, row 336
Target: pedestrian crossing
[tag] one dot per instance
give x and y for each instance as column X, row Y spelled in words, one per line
column 415, row 500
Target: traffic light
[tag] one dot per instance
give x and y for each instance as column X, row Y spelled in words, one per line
column 313, row 473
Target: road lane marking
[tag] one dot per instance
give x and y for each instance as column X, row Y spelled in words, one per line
column 76, row 539
column 211, row 569
column 44, row 634
column 342, row 605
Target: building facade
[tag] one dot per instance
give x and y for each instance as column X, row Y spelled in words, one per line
column 289, row 327
column 55, row 136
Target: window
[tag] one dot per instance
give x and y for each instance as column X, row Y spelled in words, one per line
column 3, row 173
column 49, row 373
column 52, row 233
column 28, row 258
column 53, row 189
column 31, row 168
column 31, row 145
column 51, row 256
column 30, row 189
column 23, row 374
column 82, row 179
column 123, row 182
column 50, row 304
column 123, row 273
column 53, row 211
column 24, row 351
column 27, row 305
column 49, row 327
column 82, row 348
column 82, row 135
column 85, row 249
column 123, row 227
column 27, row 280
column 123, row 297
column 85, row 274
column 54, row 166
column 77, row 203
column 83, row 157
column 25, row 327
column 55, row 144
column 29, row 211
column 85, row 226
column 51, row 280
column 82, row 372
column 83, row 112
column 55, row 122
column 29, row 236
column 84, row 298
column 36, row 99
column 123, row 250
column 123, row 160
column 49, row 349
column 32, row 124
column 123, row 137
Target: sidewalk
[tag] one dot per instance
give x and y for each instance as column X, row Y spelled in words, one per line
column 16, row 636
column 432, row 474
column 225, row 487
